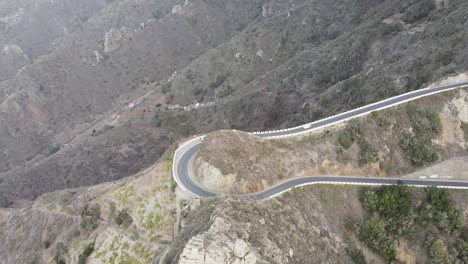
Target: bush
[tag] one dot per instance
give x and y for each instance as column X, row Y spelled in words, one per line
column 90, row 217
column 368, row 154
column 373, row 233
column 123, row 219
column 159, row 13
column 461, row 250
column 391, row 202
column 420, row 151
column 357, row 127
column 59, row 260
column 418, row 11
column 441, row 211
column 346, row 139
column 86, row 253
column 54, row 149
column 356, row 255
column 427, row 126
column 438, row 252
column 391, row 215
column 177, row 124
column 464, row 126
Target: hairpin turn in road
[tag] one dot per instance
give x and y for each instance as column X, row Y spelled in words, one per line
column 184, row 155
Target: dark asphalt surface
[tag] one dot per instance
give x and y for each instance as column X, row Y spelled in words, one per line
column 183, row 171
column 362, row 110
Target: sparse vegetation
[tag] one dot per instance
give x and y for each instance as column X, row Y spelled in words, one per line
column 367, row 154
column 356, row 255
column 346, row 139
column 418, row 144
column 374, row 234
column 177, row 124
column 90, row 217
column 390, row 209
column 354, row 130
column 88, row 250
column 54, row 149
column 395, row 215
column 464, row 126
column 159, row 13
column 438, row 252
column 418, row 10
column 123, row 219
column 440, row 211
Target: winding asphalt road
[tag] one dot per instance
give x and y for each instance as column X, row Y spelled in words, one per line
column 184, row 155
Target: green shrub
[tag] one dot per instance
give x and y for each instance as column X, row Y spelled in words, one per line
column 123, row 219
column 441, row 211
column 373, row 233
column 367, row 154
column 464, row 126
column 421, row 151
column 391, row 216
column 391, row 202
column 438, row 252
column 356, row 255
column 418, row 11
column 427, row 125
column 54, row 149
column 86, row 253
column 159, row 13
column 346, row 139
column 59, row 260
column 357, row 127
column 350, row 224
column 461, row 250
column 379, row 29
column 176, row 122
column 90, row 217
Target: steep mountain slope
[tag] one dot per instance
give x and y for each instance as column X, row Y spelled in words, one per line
column 119, row 54
column 31, row 29
column 136, row 76
column 129, row 220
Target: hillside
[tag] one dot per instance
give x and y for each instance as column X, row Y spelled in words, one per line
column 97, row 95
column 131, row 221
column 143, row 219
column 389, row 143
column 320, row 224
column 107, row 86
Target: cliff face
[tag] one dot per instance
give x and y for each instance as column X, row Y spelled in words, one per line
column 236, row 162
column 277, row 231
column 316, row 224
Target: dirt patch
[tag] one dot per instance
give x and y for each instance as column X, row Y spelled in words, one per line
column 456, row 168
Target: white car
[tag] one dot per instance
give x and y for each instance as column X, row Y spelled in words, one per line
column 306, row 126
